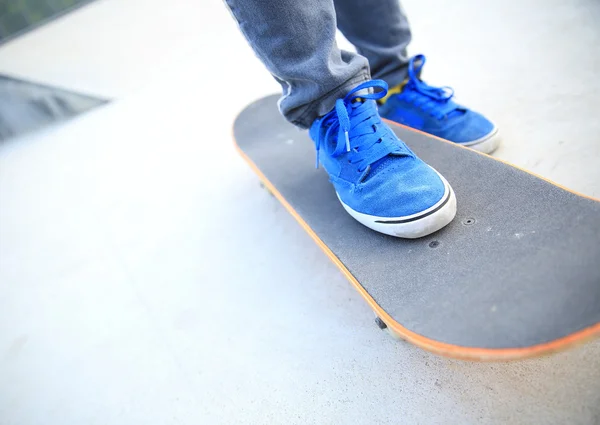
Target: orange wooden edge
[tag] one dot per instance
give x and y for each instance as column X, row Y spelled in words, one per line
column 441, row 348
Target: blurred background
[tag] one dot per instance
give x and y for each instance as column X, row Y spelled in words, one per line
column 18, row 16
column 146, row 278
column 25, row 105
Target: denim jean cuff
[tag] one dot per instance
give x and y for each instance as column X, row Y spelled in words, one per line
column 327, row 101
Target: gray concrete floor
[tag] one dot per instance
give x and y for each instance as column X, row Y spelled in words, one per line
column 145, row 278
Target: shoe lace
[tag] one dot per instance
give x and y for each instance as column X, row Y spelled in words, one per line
column 360, row 131
column 434, row 100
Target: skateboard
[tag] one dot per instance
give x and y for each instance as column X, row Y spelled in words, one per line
column 516, row 274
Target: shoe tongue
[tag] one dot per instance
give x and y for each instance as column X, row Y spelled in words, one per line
column 384, row 162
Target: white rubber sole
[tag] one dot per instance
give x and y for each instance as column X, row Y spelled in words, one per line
column 487, row 144
column 416, row 225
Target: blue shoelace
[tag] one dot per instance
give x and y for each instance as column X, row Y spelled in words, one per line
column 434, row 100
column 364, row 137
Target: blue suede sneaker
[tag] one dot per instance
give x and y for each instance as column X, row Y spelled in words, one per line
column 432, row 110
column 378, row 180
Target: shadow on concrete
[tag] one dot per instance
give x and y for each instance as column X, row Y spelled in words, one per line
column 25, row 106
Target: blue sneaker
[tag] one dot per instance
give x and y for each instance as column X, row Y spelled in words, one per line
column 432, row 110
column 378, row 180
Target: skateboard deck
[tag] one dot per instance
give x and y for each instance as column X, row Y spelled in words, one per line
column 515, row 275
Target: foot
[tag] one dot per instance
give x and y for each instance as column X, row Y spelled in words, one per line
column 378, row 179
column 432, row 110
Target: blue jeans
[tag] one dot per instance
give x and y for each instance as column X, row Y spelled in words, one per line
column 295, row 39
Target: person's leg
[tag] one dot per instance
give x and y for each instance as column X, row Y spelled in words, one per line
column 378, row 180
column 379, row 30
column 296, row 42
